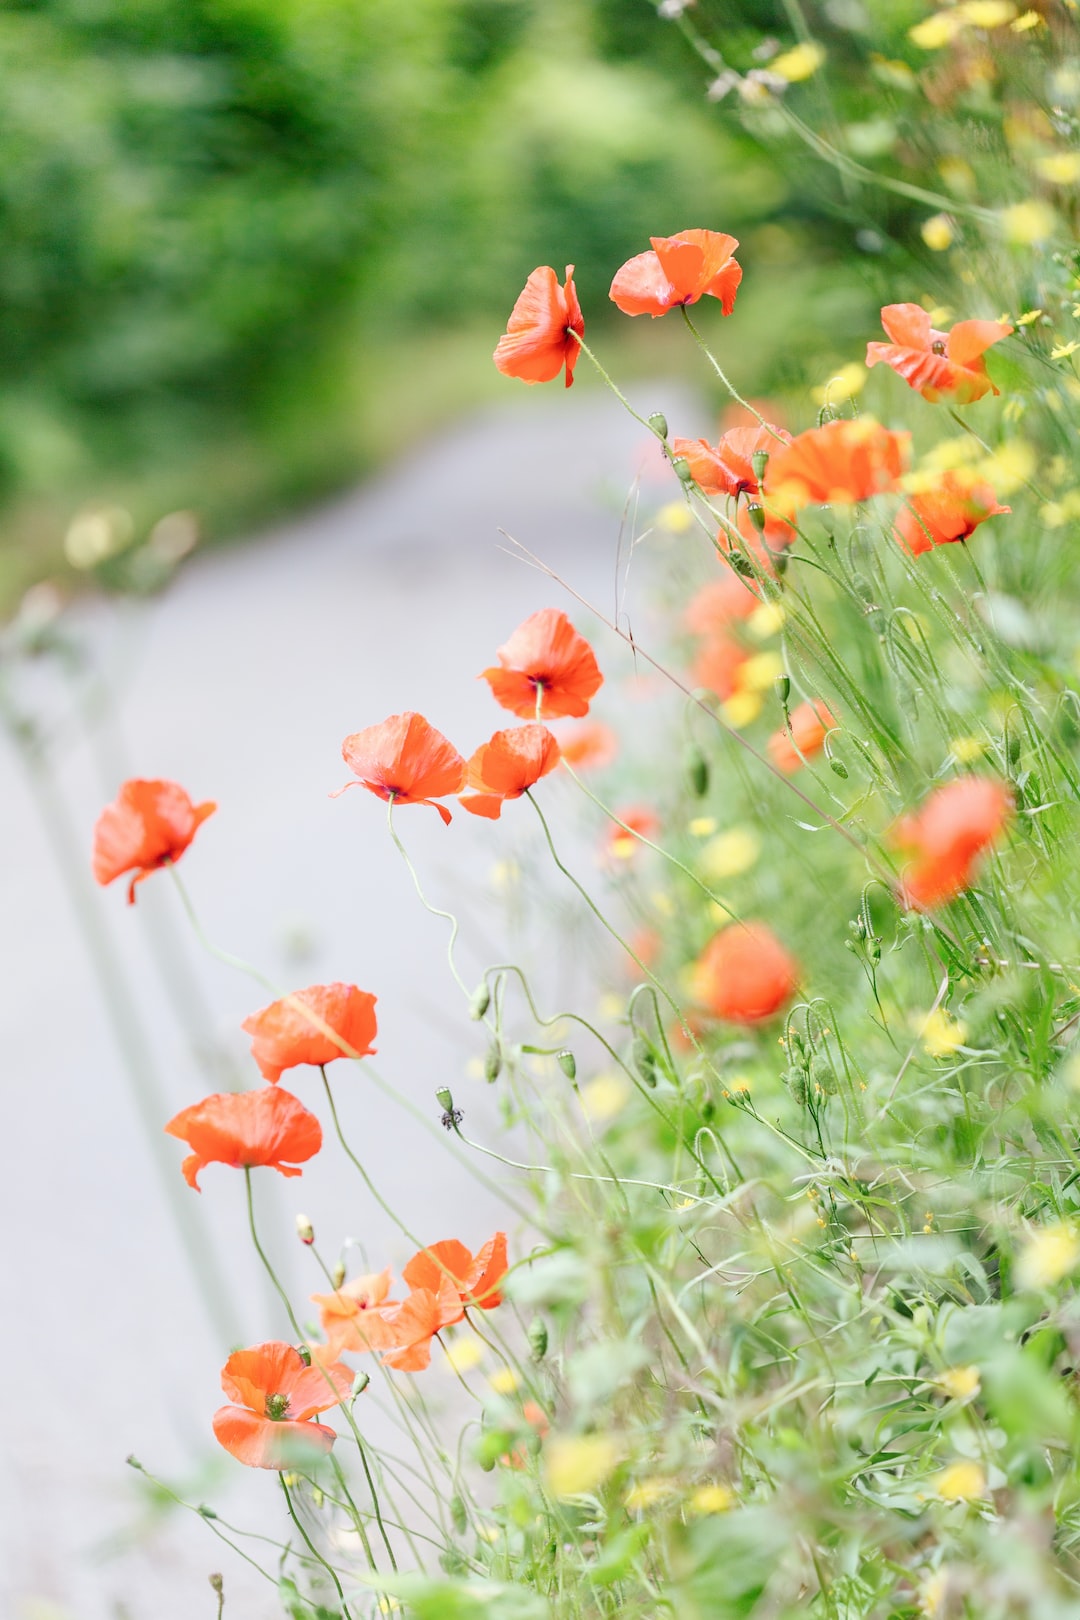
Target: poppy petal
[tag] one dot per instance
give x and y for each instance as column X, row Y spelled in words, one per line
column 259, row 1443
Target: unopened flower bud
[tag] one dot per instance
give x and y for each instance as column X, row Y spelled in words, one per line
column 360, row 1383
column 782, row 686
column 445, row 1099
column 538, row 1337
column 205, row 1512
column 759, row 461
column 658, row 423
column 756, row 515
column 493, row 1063
column 1012, row 749
column 337, row 1276
column 697, row 772
column 457, row 1515
column 742, row 565
column 681, row 468
column 645, row 1060
column 480, row 1002
column 217, row 1583
column 304, row 1229
column 304, row 1353
column 567, row 1063
column 840, row 769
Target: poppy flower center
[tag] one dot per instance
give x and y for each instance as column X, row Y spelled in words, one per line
column 277, row 1407
column 937, row 347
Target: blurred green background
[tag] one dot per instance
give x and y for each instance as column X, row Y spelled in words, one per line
column 250, row 246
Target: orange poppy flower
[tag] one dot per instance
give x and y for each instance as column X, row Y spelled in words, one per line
column 353, row 1315
column 415, row 1323
column 282, row 1037
column 809, row 724
column 475, row 1277
column 545, row 670
column 539, row 339
column 590, row 746
column 246, row 1129
column 727, row 468
column 956, row 825
column 941, row 365
column 276, row 1393
column 150, row 824
column 836, row 465
column 720, row 603
column 717, row 664
column 679, row 270
column 622, row 845
column 951, row 511
column 744, row 975
column 405, row 760
column 507, row 766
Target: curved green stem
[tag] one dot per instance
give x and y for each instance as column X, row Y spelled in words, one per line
column 315, row 1553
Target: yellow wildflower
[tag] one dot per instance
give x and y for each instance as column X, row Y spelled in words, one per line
column 802, row 62
column 961, row 1481
column 504, row 1380
column 731, row 853
column 577, row 1463
column 941, row 1033
column 938, row 232
column 711, row 1499
column 1026, row 223
column 843, row 384
column 1049, row 1255
column 604, row 1097
column 959, row 1383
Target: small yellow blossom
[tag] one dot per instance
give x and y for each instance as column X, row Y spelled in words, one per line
column 702, row 826
column 959, row 176
column 1063, row 351
column 604, row 1097
column 941, row 1033
column 675, row 517
column 965, row 749
column 1060, row 168
column 987, row 13
column 1049, row 1255
column 731, row 853
column 800, row 63
column 577, row 1463
column 934, row 32
column 611, row 1006
column 741, row 709
column 98, row 534
column 1010, row 466
column 662, row 901
column 505, row 875
column 1026, row 223
column 766, row 620
column 1028, row 318
column 504, row 1380
column 932, row 1593
column 646, row 1492
column 474, row 1068
column 894, row 73
column 938, row 232
column 959, row 1383
column 711, row 1499
column 843, row 384
column 1029, row 19
column 961, row 1481
column 465, row 1354
column 760, row 671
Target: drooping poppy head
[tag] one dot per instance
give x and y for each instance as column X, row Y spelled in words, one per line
column 835, row 465
column 810, row 723
column 539, row 338
column 679, row 270
column 940, row 365
column 507, row 766
column 247, row 1129
column 947, row 837
column 589, row 747
column 405, row 760
column 717, row 664
column 623, row 842
column 475, row 1277
column 301, row 1028
column 744, row 975
column 150, row 824
column 720, row 603
column 275, row 1394
column 545, row 670
column 728, row 467
column 951, row 510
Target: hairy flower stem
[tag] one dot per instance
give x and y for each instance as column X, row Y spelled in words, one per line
column 316, row 1554
column 725, row 379
column 436, row 911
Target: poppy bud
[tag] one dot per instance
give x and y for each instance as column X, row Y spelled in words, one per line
column 658, row 423
column 645, row 1060
column 1012, row 748
column 681, row 468
column 457, row 1515
column 337, row 1276
column 756, row 515
column 567, row 1063
column 759, row 461
column 304, row 1353
column 840, row 768
column 742, row 565
column 538, row 1337
column 697, row 772
column 492, row 1063
column 217, row 1583
column 445, row 1099
column 205, row 1512
column 360, row 1383
column 782, row 685
column 304, row 1229
column 480, row 1002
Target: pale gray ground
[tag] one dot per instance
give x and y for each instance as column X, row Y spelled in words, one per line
column 241, row 683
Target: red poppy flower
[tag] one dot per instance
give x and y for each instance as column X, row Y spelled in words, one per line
column 728, row 468
column 744, row 975
column 836, row 465
column 590, row 746
column 476, row 1277
column 809, row 724
column 951, row 511
column 720, row 603
column 246, row 1129
column 415, row 1323
column 717, row 664
column 956, row 825
column 283, row 1036
column 357, row 1306
column 508, row 765
column 276, row 1393
column 539, row 338
column 150, row 824
column 679, row 270
column 545, row 670
column 405, row 760
column 941, row 365
column 623, row 845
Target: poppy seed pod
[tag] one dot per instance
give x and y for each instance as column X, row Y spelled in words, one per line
column 759, row 461
column 682, row 470
column 658, row 423
column 445, row 1099
column 757, row 517
column 567, row 1063
column 783, row 689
